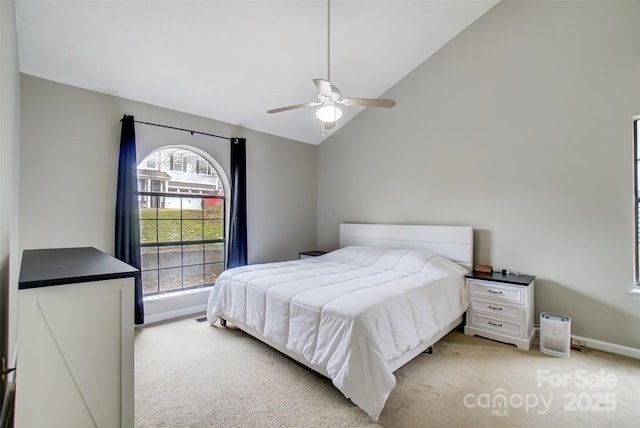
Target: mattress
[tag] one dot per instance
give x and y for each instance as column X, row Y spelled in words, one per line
column 351, row 312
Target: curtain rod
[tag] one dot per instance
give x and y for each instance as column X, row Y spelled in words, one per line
column 181, row 129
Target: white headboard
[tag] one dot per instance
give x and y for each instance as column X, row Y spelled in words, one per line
column 452, row 242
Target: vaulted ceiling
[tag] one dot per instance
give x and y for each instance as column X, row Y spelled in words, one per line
column 234, row 60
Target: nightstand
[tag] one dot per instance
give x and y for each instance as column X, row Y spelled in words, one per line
column 501, row 307
column 307, row 254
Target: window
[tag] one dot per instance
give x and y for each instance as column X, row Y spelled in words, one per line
column 636, row 178
column 203, row 167
column 156, row 186
column 176, row 163
column 182, row 228
column 151, row 162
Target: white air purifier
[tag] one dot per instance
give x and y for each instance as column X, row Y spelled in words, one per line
column 555, row 334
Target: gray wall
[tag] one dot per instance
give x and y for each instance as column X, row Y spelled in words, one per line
column 9, row 141
column 68, row 167
column 520, row 127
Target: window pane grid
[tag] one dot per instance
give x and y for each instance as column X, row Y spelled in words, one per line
column 169, row 279
column 182, row 241
column 182, row 221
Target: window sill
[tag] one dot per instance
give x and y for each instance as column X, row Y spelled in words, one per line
column 166, row 306
column 635, row 292
column 177, row 293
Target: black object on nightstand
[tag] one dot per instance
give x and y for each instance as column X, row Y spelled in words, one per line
column 508, row 278
column 307, row 254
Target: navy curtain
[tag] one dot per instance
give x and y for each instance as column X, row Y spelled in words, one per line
column 237, row 252
column 127, row 214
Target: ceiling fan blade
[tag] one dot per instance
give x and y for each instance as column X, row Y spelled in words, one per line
column 369, row 102
column 324, row 87
column 278, row 110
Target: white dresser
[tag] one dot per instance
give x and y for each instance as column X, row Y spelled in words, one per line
column 501, row 307
column 75, row 340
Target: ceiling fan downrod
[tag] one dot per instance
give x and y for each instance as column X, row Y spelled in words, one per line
column 329, row 40
column 329, row 95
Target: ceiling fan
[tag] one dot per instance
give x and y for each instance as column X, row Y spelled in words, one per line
column 329, row 94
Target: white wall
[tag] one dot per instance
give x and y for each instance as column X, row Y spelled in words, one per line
column 520, row 127
column 68, row 170
column 9, row 140
column 69, row 156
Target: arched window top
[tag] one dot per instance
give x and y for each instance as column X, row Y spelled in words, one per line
column 178, row 170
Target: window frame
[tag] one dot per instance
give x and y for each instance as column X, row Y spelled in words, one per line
column 209, row 264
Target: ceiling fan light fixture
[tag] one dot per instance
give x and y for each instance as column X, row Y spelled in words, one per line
column 329, row 94
column 329, row 113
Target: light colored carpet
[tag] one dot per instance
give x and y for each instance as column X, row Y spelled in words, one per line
column 190, row 374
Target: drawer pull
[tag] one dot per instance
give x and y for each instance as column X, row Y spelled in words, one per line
column 494, row 308
column 494, row 292
column 495, row 324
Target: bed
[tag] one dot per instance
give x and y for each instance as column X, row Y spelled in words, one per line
column 359, row 313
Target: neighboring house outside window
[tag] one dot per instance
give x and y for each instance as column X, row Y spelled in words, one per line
column 182, row 221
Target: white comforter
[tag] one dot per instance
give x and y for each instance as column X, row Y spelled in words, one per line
column 350, row 312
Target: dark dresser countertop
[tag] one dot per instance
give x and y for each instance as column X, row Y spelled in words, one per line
column 58, row 266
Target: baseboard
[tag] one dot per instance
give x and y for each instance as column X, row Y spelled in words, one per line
column 163, row 316
column 627, row 351
column 601, row 345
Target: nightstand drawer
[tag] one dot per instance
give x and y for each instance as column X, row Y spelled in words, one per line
column 496, row 291
column 497, row 309
column 497, row 325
